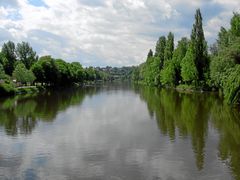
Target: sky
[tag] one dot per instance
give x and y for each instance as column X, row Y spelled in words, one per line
column 107, row 32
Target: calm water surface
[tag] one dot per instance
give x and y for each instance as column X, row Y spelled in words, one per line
column 119, row 132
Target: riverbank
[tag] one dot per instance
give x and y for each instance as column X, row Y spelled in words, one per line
column 10, row 90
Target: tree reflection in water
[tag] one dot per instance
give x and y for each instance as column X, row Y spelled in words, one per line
column 191, row 115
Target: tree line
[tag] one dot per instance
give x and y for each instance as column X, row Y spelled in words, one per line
column 21, row 63
column 194, row 65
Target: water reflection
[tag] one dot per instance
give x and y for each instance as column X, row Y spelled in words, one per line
column 193, row 115
column 20, row 114
column 119, row 132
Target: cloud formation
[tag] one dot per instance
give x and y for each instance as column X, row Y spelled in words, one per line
column 106, row 32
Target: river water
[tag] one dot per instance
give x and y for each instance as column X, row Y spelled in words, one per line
column 115, row 132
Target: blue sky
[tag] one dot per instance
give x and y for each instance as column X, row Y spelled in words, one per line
column 106, row 32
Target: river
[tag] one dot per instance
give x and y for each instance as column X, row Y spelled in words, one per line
column 118, row 132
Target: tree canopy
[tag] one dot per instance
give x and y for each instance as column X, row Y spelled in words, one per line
column 191, row 65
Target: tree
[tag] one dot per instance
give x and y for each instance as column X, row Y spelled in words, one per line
column 23, row 75
column 231, row 85
column 235, row 25
column 223, row 38
column 136, row 74
column 199, row 47
column 171, row 72
column 178, row 56
column 45, row 70
column 150, row 53
column 160, row 48
column 8, row 51
column 2, row 73
column 26, row 54
column 63, row 73
column 189, row 71
column 168, row 51
column 168, row 74
column 90, row 74
column 38, row 71
column 77, row 72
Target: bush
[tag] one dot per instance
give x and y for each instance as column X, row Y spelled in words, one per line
column 27, row 90
column 6, row 89
column 231, row 86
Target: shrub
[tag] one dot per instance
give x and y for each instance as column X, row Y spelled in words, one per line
column 6, row 89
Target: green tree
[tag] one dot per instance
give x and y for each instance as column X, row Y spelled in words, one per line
column 8, row 51
column 23, row 75
column 178, row 56
column 2, row 73
column 136, row 74
column 159, row 51
column 150, row 53
column 231, row 85
column 199, row 47
column 26, row 54
column 189, row 71
column 63, row 73
column 90, row 74
column 77, row 72
column 171, row 72
column 45, row 70
column 235, row 25
column 168, row 74
column 223, row 38
column 168, row 51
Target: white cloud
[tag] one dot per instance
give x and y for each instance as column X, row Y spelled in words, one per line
column 99, row 32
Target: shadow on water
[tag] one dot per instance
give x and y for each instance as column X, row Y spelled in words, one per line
column 192, row 115
column 20, row 114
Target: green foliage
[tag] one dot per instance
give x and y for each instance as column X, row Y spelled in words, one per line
column 235, row 25
column 23, row 75
column 151, row 71
column 223, row 38
column 45, row 70
column 8, row 51
column 6, row 89
column 199, row 47
column 26, row 54
column 224, row 67
column 150, row 53
column 168, row 51
column 136, row 74
column 160, row 48
column 63, row 72
column 27, row 90
column 77, row 72
column 90, row 74
column 168, row 74
column 38, row 71
column 186, row 87
column 171, row 72
column 3, row 76
column 188, row 68
column 189, row 64
column 231, row 85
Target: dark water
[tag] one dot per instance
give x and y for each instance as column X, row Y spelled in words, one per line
column 119, row 132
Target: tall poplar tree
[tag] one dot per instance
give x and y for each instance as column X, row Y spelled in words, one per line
column 199, row 46
column 160, row 48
